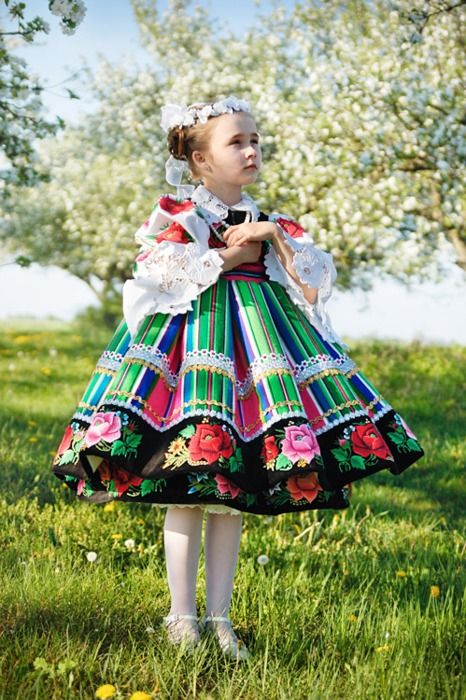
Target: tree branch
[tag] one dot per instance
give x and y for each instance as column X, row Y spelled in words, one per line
column 428, row 15
column 28, row 31
column 460, row 248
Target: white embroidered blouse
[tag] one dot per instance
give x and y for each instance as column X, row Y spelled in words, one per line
column 175, row 262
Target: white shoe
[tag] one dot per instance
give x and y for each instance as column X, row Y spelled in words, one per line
column 182, row 629
column 229, row 643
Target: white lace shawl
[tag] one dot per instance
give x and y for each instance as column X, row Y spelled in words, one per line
column 315, row 268
column 168, row 275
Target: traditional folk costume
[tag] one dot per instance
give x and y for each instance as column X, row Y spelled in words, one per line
column 227, row 390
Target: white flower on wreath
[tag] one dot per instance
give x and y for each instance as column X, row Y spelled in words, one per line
column 175, row 115
column 181, row 115
column 204, row 113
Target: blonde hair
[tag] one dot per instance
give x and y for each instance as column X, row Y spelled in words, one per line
column 184, row 140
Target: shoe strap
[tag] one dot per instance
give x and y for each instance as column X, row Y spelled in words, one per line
column 179, row 616
column 216, row 618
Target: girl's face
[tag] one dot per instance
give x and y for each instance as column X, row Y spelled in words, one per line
column 234, row 155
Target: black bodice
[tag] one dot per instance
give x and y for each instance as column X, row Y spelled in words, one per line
column 237, row 216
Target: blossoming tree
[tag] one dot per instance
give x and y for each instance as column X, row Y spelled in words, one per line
column 21, row 117
column 361, row 112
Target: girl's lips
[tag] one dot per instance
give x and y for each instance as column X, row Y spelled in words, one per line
column 251, row 167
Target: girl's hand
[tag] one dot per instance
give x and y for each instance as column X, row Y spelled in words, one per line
column 251, row 251
column 249, row 232
column 238, row 255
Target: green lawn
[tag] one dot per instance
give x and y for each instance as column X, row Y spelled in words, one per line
column 344, row 609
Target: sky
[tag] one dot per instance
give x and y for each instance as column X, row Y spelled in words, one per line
column 428, row 312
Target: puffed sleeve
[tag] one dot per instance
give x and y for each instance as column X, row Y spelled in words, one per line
column 174, row 263
column 313, row 266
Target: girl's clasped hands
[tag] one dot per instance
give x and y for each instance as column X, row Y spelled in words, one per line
column 248, row 232
column 249, row 236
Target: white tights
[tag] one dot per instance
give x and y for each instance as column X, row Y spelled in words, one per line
column 182, row 541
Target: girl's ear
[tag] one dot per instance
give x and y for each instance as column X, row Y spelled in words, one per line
column 198, row 158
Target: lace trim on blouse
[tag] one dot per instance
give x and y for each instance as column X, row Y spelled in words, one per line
column 315, row 268
column 208, row 200
column 169, row 275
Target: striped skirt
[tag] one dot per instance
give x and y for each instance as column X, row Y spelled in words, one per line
column 237, row 405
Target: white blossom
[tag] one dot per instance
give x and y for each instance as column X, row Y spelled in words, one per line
column 379, row 185
column 71, row 11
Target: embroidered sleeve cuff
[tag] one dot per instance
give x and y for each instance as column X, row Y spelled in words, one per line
column 168, row 280
column 313, row 267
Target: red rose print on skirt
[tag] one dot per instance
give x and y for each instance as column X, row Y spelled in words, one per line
column 269, row 450
column 225, row 486
column 121, row 478
column 366, row 440
column 66, row 440
column 210, row 442
column 306, row 486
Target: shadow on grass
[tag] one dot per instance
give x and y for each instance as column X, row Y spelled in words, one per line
column 423, row 383
column 95, row 624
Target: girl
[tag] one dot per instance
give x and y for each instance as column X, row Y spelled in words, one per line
column 224, row 387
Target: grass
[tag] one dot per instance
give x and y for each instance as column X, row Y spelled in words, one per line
column 346, row 606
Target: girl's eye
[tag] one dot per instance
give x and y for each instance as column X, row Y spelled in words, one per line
column 238, row 141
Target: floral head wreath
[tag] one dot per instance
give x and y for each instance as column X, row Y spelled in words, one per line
column 175, row 115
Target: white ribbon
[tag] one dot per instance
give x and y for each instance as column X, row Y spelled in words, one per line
column 174, row 170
